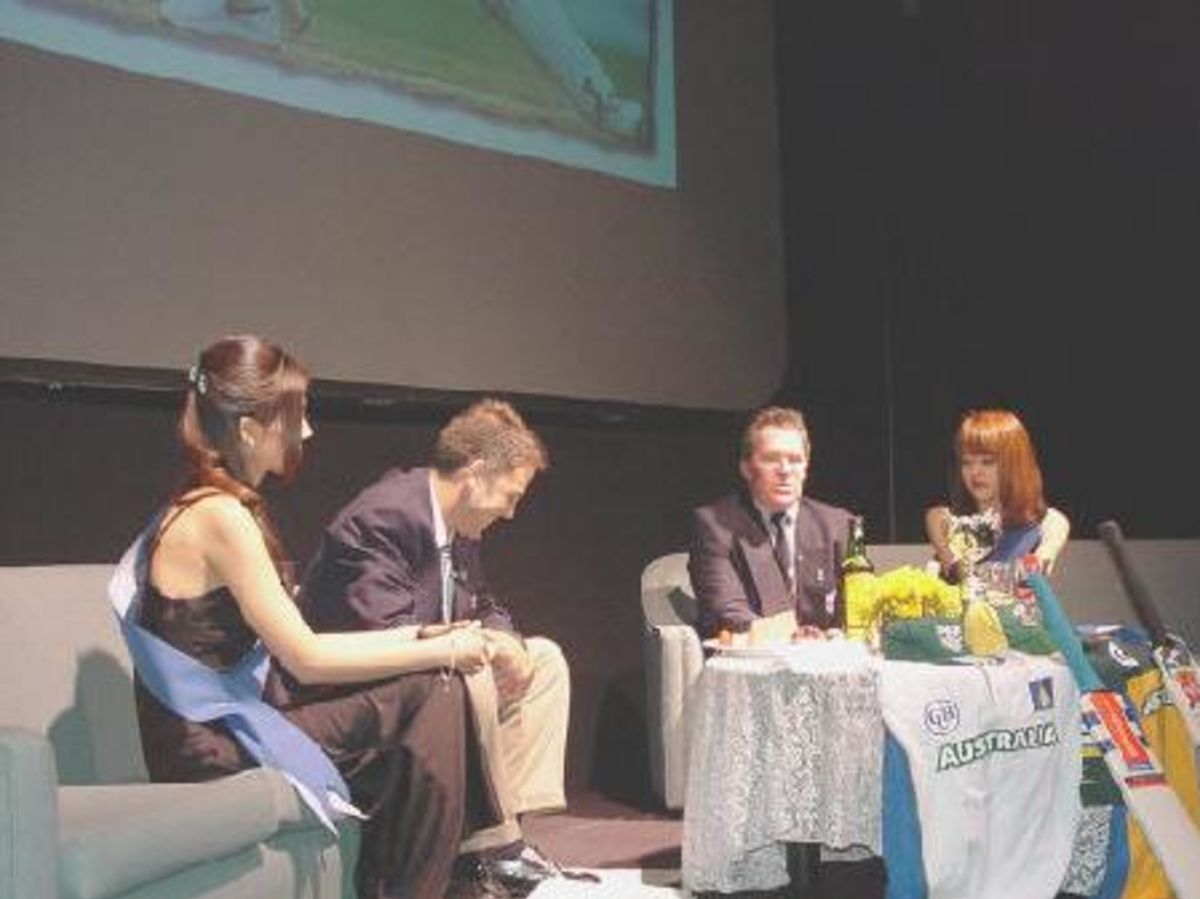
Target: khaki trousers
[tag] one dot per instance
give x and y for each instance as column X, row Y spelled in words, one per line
column 524, row 744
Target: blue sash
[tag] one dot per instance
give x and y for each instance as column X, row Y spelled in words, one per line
column 1015, row 543
column 197, row 693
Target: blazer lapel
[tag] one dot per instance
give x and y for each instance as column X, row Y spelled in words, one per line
column 811, row 549
column 763, row 569
column 817, row 584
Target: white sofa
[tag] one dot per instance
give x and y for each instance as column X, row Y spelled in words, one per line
column 1084, row 579
column 79, row 820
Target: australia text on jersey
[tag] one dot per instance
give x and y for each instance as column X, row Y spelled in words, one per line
column 1016, row 739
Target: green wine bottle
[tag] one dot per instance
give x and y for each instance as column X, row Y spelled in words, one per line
column 857, row 583
column 856, row 561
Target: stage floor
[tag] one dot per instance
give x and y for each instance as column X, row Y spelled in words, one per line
column 635, row 852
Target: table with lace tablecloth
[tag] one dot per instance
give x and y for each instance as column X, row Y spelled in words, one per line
column 780, row 751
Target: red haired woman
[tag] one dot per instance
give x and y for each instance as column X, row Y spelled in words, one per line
column 996, row 471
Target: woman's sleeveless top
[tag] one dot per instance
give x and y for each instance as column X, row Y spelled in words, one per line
column 211, row 629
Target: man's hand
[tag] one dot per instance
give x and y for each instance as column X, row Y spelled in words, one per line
column 512, row 668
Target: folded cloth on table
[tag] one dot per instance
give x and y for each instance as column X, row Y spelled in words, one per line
column 1025, row 634
column 923, row 639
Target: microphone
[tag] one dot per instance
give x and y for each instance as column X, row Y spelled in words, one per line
column 1131, row 580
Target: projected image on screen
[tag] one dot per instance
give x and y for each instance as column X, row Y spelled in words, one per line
column 588, row 72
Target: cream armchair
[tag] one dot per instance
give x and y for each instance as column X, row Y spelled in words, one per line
column 673, row 660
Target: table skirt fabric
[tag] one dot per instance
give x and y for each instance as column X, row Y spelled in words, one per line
column 754, row 786
column 1090, row 855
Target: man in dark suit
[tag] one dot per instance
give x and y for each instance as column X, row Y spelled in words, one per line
column 766, row 558
column 405, row 552
column 767, row 550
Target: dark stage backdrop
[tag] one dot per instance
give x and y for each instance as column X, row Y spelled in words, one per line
column 995, row 203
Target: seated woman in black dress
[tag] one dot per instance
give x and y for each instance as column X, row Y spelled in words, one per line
column 392, row 717
column 996, row 470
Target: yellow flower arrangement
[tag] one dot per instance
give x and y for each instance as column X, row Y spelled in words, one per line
column 904, row 592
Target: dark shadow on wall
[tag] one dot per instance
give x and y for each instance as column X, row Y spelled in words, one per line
column 620, row 768
column 96, row 740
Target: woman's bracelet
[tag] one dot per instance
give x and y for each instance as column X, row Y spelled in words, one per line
column 453, row 664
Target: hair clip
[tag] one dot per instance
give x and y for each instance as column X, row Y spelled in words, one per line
column 198, row 379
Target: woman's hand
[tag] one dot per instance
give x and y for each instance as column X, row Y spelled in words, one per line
column 1045, row 563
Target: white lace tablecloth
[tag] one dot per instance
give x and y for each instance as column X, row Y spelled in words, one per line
column 779, row 752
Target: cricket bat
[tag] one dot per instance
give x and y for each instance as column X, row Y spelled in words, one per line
column 1113, row 723
column 1181, row 679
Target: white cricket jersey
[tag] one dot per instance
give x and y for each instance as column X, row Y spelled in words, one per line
column 994, row 754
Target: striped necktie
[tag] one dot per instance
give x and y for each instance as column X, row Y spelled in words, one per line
column 446, row 558
column 779, row 539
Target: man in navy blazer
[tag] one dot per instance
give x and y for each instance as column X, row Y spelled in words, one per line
column 768, row 549
column 406, row 551
column 379, row 564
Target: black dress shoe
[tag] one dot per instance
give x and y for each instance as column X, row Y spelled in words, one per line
column 473, row 879
column 522, row 871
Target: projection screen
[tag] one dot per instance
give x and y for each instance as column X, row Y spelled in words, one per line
column 559, row 197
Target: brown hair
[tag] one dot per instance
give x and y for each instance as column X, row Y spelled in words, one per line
column 492, row 431
column 774, row 417
column 234, row 377
column 1000, row 433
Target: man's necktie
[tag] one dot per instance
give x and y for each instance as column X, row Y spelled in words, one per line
column 446, row 558
column 779, row 538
